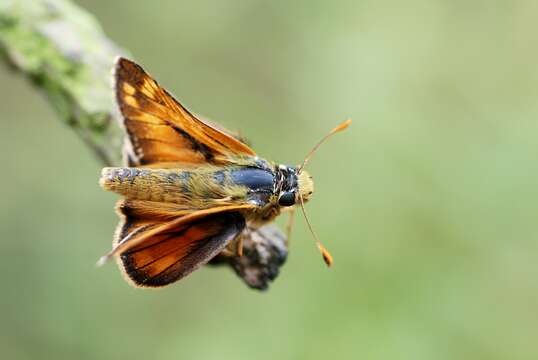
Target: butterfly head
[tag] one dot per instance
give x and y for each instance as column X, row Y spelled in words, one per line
column 292, row 185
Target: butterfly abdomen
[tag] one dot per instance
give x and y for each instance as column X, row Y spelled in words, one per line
column 161, row 185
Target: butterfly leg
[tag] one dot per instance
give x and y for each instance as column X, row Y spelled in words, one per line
column 289, row 227
column 239, row 246
column 227, row 253
column 235, row 247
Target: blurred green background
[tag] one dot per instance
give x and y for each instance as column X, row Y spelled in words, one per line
column 428, row 202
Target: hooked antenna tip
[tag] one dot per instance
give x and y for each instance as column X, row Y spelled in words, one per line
column 327, row 257
column 342, row 126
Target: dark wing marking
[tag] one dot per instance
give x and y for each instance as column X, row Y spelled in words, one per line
column 160, row 129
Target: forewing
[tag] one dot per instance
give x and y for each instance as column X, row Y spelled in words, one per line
column 155, row 248
column 161, row 130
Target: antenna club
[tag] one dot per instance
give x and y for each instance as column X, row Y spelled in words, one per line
column 327, row 257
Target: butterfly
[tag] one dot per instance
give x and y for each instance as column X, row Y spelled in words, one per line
column 191, row 190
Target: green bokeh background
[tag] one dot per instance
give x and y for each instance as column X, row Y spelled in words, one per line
column 428, row 202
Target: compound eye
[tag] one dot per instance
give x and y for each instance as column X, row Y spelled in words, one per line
column 287, row 199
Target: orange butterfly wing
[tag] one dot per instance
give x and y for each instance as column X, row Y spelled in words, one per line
column 159, row 244
column 161, row 130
